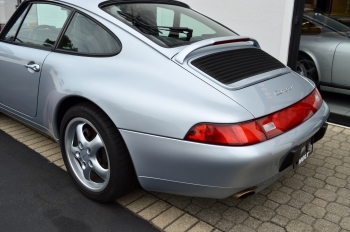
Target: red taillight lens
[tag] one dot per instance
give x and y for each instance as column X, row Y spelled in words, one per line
column 227, row 134
column 286, row 119
column 260, row 130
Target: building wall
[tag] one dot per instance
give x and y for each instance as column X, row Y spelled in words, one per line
column 7, row 8
column 267, row 21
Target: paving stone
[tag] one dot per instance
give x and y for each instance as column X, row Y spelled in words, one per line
column 266, row 191
column 224, row 225
column 296, row 226
column 343, row 170
column 345, row 223
column 338, row 209
column 271, row 204
column 344, row 193
column 180, row 202
column 257, row 199
column 340, row 176
column 47, row 147
column 312, row 182
column 305, row 172
column 315, row 161
column 279, row 197
column 332, row 144
column 332, row 218
column 154, row 210
column 164, row 196
column 325, row 226
column 336, row 182
column 235, row 215
column 131, row 197
column 230, row 201
column 185, row 222
column 326, row 195
column 201, row 227
column 269, row 227
column 313, row 210
column 262, row 213
column 55, row 157
column 193, row 209
column 288, row 212
column 286, row 190
column 210, row 216
column 167, row 217
column 331, row 188
column 333, row 161
column 302, row 196
column 252, row 223
column 319, row 202
column 307, row 219
column 293, row 183
column 142, row 203
column 59, row 163
column 51, row 152
column 241, row 228
column 296, row 204
column 343, row 201
column 280, row 220
column 245, row 205
column 203, row 202
column 219, row 207
column 275, row 186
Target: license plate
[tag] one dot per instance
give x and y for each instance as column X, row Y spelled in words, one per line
column 302, row 153
column 305, row 152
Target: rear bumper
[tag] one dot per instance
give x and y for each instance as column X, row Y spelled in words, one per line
column 194, row 169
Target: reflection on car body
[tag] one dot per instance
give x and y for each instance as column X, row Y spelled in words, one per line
column 157, row 93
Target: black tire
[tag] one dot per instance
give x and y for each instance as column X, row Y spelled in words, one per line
column 306, row 67
column 112, row 159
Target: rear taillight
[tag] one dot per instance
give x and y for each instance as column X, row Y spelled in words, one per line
column 287, row 119
column 257, row 131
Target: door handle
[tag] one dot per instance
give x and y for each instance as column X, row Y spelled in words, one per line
column 33, row 66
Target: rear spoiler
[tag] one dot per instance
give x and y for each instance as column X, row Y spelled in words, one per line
column 181, row 56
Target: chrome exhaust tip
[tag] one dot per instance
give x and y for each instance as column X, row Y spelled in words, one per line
column 244, row 194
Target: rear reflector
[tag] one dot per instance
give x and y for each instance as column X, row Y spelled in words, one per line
column 260, row 130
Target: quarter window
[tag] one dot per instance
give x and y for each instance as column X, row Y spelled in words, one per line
column 85, row 36
column 42, row 25
column 12, row 32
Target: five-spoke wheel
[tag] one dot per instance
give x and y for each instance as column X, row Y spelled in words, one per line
column 95, row 153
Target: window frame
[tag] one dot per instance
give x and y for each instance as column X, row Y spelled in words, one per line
column 28, row 4
column 19, row 12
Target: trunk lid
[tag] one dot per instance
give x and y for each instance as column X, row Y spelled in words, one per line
column 249, row 76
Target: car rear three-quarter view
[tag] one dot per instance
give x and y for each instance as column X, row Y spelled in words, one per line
column 156, row 92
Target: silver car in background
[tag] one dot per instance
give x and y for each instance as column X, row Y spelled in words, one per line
column 325, row 52
column 152, row 91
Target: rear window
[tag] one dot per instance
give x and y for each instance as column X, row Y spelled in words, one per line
column 168, row 25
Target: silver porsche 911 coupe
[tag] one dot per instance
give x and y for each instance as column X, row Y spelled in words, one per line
column 155, row 92
column 324, row 55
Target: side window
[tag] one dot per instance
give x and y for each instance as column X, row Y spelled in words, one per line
column 85, row 36
column 42, row 25
column 10, row 35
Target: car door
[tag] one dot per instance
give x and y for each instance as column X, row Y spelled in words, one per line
column 24, row 45
column 341, row 67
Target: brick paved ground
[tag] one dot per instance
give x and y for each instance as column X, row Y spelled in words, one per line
column 315, row 197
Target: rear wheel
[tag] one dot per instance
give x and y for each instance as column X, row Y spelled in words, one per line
column 306, row 67
column 95, row 154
